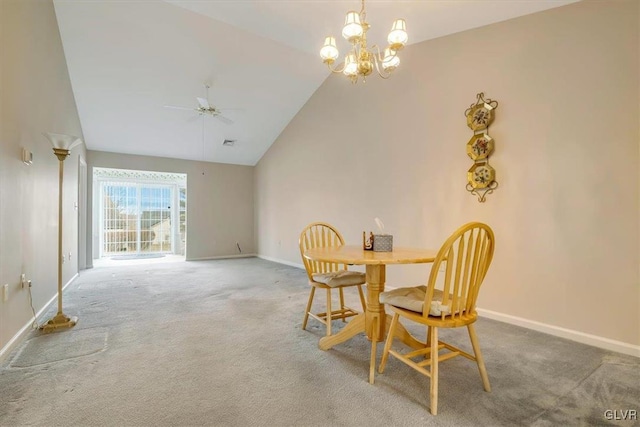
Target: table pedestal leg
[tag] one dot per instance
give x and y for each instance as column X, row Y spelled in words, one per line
column 403, row 335
column 371, row 321
column 353, row 328
column 375, row 311
column 375, row 315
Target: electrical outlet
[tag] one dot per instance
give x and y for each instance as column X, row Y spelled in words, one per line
column 5, row 292
column 23, row 280
column 69, row 256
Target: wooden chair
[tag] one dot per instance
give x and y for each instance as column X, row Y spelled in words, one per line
column 463, row 260
column 327, row 275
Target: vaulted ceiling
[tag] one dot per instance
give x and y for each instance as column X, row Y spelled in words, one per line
column 129, row 59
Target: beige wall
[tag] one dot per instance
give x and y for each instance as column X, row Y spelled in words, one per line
column 567, row 138
column 35, row 97
column 219, row 201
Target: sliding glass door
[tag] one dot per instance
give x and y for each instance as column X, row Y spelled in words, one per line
column 137, row 217
column 137, row 213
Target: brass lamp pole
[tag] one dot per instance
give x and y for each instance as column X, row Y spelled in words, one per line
column 62, row 145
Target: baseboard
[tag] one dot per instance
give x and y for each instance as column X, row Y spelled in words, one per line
column 27, row 327
column 222, row 257
column 281, row 261
column 581, row 337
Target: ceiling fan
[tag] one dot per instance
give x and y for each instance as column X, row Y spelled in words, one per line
column 204, row 107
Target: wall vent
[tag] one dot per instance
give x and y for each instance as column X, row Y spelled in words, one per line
column 229, row 142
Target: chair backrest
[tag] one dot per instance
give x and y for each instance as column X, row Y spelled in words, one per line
column 319, row 235
column 466, row 257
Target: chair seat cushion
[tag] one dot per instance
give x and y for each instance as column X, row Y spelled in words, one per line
column 413, row 299
column 336, row 279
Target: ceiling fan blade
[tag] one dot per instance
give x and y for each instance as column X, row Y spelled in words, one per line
column 175, row 107
column 224, row 119
column 203, row 103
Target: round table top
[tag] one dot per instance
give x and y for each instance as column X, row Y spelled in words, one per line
column 352, row 254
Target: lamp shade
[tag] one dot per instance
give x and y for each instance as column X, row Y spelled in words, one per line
column 350, row 65
column 329, row 51
column 390, row 61
column 62, row 141
column 352, row 29
column 398, row 35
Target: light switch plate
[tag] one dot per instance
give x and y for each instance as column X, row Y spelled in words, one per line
column 5, row 292
column 27, row 156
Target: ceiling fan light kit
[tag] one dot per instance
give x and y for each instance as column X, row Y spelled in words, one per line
column 361, row 60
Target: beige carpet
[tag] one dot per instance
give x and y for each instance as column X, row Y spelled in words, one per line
column 50, row 348
column 218, row 343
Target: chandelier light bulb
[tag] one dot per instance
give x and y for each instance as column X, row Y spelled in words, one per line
column 390, row 61
column 350, row 65
column 329, row 52
column 352, row 29
column 398, row 35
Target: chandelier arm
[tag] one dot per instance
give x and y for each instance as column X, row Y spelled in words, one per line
column 380, row 73
column 336, row 70
column 377, row 59
column 377, row 53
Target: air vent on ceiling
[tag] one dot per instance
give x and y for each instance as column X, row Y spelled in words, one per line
column 229, row 142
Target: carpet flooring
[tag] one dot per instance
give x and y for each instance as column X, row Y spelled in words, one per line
column 219, row 343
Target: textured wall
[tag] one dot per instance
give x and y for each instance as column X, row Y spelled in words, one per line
column 567, row 141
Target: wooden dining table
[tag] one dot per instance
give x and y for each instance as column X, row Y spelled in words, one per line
column 374, row 320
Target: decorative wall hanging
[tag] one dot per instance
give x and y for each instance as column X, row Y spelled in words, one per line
column 481, row 176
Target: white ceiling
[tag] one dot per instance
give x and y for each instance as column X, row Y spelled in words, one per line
column 127, row 59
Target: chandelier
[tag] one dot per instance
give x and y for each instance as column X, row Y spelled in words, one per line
column 361, row 60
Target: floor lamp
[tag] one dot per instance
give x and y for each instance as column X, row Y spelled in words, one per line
column 62, row 145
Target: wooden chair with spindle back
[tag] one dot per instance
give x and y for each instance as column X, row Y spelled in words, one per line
column 466, row 257
column 328, row 275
